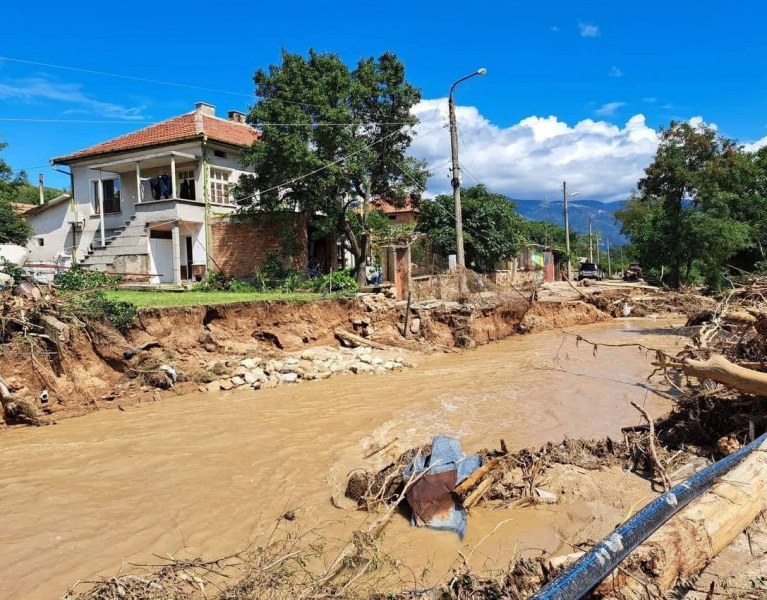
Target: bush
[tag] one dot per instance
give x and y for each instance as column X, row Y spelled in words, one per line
column 291, row 281
column 337, row 281
column 214, row 281
column 14, row 271
column 240, row 286
column 78, row 279
column 119, row 313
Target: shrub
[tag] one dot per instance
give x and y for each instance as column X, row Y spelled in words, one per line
column 337, row 281
column 291, row 281
column 240, row 286
column 14, row 271
column 119, row 313
column 214, row 281
column 78, row 279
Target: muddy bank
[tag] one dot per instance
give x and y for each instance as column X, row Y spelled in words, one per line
column 98, row 368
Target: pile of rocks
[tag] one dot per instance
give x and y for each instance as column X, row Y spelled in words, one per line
column 317, row 363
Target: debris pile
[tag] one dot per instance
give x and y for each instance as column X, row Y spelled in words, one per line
column 628, row 301
column 516, row 478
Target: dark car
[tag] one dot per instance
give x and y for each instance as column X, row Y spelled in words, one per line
column 633, row 272
column 590, row 271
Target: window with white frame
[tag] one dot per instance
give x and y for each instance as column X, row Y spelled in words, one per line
column 219, row 187
column 111, row 189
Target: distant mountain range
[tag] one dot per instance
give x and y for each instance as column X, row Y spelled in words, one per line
column 603, row 219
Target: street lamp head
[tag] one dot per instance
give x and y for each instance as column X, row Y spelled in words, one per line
column 482, row 71
column 572, row 194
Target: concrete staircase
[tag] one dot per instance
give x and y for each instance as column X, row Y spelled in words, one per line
column 130, row 241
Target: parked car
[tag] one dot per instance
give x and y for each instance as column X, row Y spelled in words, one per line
column 590, row 271
column 633, row 272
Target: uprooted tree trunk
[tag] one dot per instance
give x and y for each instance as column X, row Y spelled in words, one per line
column 687, row 543
column 719, row 369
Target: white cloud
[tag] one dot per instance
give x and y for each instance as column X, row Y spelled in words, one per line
column 530, row 159
column 754, row 146
column 588, row 30
column 615, row 72
column 36, row 89
column 608, row 110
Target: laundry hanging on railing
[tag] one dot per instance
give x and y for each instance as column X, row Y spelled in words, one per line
column 161, row 187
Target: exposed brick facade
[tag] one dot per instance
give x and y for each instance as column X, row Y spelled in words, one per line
column 238, row 249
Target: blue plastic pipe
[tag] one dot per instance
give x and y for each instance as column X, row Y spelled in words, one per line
column 587, row 572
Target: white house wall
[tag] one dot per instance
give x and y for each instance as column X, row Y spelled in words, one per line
column 56, row 230
column 52, row 228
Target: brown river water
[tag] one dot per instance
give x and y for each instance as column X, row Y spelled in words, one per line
column 207, row 473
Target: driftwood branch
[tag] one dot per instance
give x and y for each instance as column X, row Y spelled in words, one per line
column 360, row 341
column 659, row 468
column 472, row 480
column 719, row 369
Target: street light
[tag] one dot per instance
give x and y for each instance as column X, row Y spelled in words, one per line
column 565, row 196
column 456, row 179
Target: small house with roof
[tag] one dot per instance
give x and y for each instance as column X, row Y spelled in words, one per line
column 142, row 202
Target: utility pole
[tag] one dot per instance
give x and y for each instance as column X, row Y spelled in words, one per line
column 455, row 181
column 567, row 232
column 623, row 268
column 41, row 188
column 597, row 248
column 456, row 174
column 609, row 266
column 591, row 255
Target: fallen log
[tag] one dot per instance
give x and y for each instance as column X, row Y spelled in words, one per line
column 688, row 542
column 719, row 369
column 360, row 341
column 467, row 484
column 682, row 547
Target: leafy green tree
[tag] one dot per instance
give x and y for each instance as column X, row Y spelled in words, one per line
column 332, row 138
column 13, row 229
column 492, row 229
column 696, row 205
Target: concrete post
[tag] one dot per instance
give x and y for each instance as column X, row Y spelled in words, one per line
column 176, row 243
column 138, row 183
column 173, row 177
column 101, row 211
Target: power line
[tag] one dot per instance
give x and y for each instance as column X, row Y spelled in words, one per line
column 88, row 121
column 330, row 164
column 121, row 76
column 155, row 81
column 435, row 203
column 469, row 166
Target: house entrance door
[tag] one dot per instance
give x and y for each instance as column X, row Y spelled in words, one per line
column 162, row 259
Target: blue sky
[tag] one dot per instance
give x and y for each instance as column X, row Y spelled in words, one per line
column 574, row 90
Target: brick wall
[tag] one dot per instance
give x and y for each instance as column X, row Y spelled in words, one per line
column 238, row 249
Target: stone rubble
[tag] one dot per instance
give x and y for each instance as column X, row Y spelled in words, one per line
column 308, row 365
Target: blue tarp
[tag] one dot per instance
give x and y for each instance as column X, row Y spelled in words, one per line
column 446, row 456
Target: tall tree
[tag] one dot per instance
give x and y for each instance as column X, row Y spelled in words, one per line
column 13, row 229
column 688, row 213
column 492, row 228
column 332, row 138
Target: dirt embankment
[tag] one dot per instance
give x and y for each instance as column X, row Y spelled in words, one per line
column 100, row 368
column 189, row 347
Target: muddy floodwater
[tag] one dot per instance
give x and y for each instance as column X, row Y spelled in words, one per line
column 207, row 473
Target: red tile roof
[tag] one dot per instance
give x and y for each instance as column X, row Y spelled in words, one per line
column 185, row 127
column 388, row 207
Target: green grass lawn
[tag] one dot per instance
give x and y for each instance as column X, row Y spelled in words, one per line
column 192, row 298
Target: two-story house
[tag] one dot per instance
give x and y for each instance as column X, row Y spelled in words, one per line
column 142, row 202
